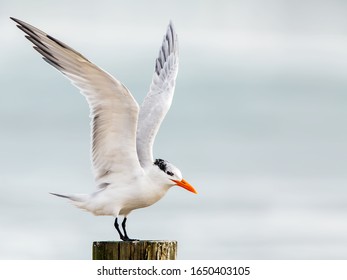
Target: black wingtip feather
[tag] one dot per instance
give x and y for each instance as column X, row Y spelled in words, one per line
column 170, row 40
column 57, row 42
column 48, row 57
column 14, row 19
column 54, row 64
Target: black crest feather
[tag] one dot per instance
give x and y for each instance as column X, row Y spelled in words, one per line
column 161, row 164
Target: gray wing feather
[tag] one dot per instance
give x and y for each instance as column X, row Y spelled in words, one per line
column 159, row 98
column 114, row 111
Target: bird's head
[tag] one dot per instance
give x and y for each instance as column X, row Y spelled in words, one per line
column 173, row 175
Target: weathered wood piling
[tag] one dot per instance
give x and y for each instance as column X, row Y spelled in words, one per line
column 135, row 250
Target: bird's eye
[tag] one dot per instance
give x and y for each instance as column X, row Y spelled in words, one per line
column 169, row 173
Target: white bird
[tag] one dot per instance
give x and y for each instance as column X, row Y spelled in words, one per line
column 126, row 175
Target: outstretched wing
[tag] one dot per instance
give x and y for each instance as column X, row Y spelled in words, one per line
column 159, row 98
column 114, row 111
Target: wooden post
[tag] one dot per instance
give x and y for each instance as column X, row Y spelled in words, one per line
column 135, row 250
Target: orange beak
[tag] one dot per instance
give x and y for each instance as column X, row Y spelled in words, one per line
column 184, row 184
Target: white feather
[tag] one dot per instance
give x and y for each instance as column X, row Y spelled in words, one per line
column 113, row 109
column 158, row 100
column 122, row 136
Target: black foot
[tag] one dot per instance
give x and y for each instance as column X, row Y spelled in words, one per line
column 129, row 239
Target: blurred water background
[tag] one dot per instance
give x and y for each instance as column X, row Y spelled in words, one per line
column 258, row 126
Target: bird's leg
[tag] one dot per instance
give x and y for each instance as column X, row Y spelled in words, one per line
column 118, row 230
column 125, row 231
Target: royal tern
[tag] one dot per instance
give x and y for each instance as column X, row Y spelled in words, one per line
column 126, row 175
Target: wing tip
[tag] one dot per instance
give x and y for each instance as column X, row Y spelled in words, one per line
column 20, row 23
column 172, row 30
column 14, row 19
column 171, row 26
column 169, row 47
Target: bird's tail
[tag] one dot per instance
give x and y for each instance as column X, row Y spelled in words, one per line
column 77, row 199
